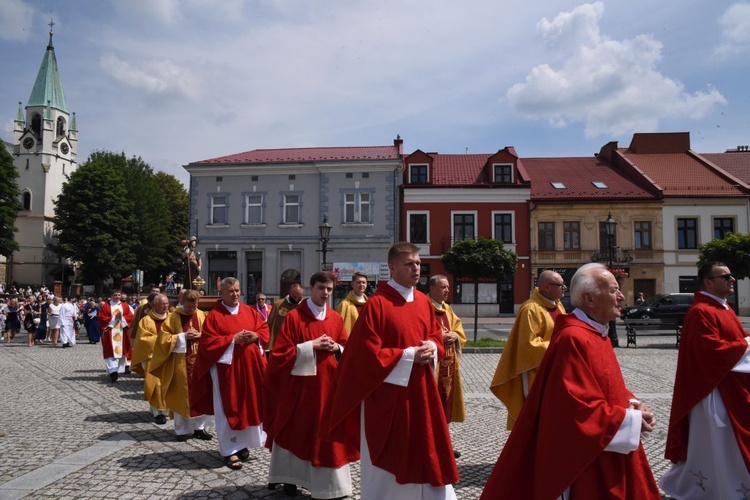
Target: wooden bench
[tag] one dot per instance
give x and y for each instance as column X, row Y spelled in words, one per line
column 632, row 326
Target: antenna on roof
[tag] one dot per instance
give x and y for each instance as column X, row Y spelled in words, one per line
column 467, row 151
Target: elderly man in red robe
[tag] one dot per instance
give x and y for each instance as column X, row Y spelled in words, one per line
column 578, row 434
column 709, row 427
column 228, row 375
column 115, row 320
column 298, row 380
column 385, row 394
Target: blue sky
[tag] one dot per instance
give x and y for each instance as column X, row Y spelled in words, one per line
column 177, row 81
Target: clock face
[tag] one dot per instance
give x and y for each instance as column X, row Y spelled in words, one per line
column 28, row 143
column 64, row 148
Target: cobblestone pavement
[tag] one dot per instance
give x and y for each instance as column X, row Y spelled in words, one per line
column 68, row 433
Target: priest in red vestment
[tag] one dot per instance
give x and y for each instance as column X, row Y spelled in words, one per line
column 709, row 426
column 384, row 391
column 115, row 320
column 298, row 380
column 579, row 430
column 228, row 375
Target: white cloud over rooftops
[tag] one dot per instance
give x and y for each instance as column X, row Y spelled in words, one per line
column 735, row 30
column 612, row 87
column 156, row 77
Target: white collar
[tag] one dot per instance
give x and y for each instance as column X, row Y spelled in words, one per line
column 602, row 329
column 318, row 311
column 721, row 301
column 438, row 305
column 406, row 292
column 231, row 309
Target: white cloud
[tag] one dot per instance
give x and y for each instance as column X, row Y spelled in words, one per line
column 15, row 20
column 735, row 29
column 163, row 78
column 611, row 86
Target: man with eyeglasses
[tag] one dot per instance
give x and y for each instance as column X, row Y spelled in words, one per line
column 527, row 343
column 709, row 430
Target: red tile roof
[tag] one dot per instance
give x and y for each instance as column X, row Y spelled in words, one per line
column 578, row 175
column 303, row 155
column 682, row 174
column 464, row 170
column 736, row 164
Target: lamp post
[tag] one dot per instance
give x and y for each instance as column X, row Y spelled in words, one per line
column 610, row 228
column 325, row 233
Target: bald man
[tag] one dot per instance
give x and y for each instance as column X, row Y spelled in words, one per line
column 527, row 343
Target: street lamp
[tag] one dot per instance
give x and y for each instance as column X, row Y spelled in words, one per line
column 325, row 233
column 610, row 227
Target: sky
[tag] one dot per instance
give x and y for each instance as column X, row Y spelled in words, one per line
column 179, row 81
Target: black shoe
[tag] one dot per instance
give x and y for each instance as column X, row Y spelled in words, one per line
column 65, row 345
column 160, row 419
column 113, row 377
column 456, row 454
column 202, row 434
column 290, row 489
column 182, row 437
column 127, row 369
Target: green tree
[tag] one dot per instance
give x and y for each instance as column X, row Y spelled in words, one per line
column 734, row 251
column 477, row 259
column 92, row 218
column 9, row 202
column 177, row 200
column 113, row 218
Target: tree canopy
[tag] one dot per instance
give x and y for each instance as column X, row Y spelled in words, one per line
column 113, row 217
column 478, row 259
column 10, row 203
column 733, row 250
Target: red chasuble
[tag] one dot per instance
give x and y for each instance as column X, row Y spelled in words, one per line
column 575, row 407
column 293, row 404
column 712, row 342
column 105, row 316
column 240, row 383
column 407, row 434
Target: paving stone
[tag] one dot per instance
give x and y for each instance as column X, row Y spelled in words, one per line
column 61, row 410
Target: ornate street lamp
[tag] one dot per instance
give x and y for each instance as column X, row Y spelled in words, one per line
column 325, row 233
column 610, row 227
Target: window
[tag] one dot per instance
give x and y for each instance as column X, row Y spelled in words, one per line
column 357, row 208
column 642, row 235
column 418, row 174
column 254, row 209
column 349, row 175
column 572, row 235
column 558, row 185
column 722, row 227
column 291, row 209
column 219, row 209
column 463, row 227
column 546, row 236
column 504, row 227
column 502, row 173
column 603, row 244
column 599, row 184
column 26, row 200
column 687, row 234
column 417, row 227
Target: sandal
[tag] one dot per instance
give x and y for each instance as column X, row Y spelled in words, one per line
column 233, row 462
column 244, row 454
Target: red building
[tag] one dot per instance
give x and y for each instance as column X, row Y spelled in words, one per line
column 447, row 198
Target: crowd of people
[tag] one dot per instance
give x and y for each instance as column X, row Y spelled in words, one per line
column 378, row 381
column 46, row 318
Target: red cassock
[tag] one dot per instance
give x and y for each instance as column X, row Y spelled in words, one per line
column 712, row 342
column 574, row 408
column 240, row 383
column 105, row 316
column 293, row 404
column 407, row 434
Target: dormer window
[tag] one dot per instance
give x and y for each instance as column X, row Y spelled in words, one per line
column 418, row 174
column 558, row 185
column 502, row 173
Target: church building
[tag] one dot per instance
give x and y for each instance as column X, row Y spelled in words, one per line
column 44, row 146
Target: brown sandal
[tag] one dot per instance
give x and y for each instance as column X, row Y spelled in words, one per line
column 233, row 462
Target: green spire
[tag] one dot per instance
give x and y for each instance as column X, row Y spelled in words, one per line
column 47, row 88
column 73, row 125
column 19, row 115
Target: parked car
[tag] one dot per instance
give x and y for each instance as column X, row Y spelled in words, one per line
column 670, row 308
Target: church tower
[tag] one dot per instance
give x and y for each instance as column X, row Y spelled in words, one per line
column 45, row 143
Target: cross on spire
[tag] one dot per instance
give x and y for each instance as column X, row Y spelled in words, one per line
column 51, row 24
